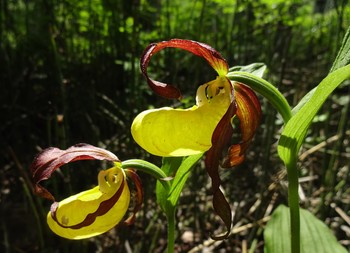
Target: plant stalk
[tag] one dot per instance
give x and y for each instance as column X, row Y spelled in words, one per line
column 171, row 231
column 293, row 202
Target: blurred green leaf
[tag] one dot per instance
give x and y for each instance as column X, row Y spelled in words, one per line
column 257, row 69
column 315, row 235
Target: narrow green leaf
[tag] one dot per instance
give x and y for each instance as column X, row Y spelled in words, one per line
column 181, row 177
column 303, row 101
column 315, row 235
column 295, row 130
column 177, row 169
column 169, row 167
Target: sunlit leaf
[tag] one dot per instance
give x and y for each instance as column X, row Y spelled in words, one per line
column 315, row 235
column 181, row 176
column 169, row 166
column 295, row 130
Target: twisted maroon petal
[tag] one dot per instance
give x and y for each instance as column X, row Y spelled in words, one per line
column 139, row 195
column 221, row 136
column 205, row 51
column 249, row 115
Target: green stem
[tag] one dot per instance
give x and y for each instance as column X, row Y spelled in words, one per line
column 293, row 201
column 265, row 89
column 148, row 168
column 171, row 230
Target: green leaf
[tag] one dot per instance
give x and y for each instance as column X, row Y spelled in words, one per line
column 343, row 57
column 181, row 177
column 315, row 235
column 178, row 169
column 295, row 130
column 258, row 69
column 169, row 166
column 303, row 101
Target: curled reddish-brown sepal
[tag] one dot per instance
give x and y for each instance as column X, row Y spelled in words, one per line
column 220, row 139
column 249, row 115
column 139, row 195
column 213, row 57
column 50, row 159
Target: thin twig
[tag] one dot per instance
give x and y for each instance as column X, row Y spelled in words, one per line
column 320, row 145
column 210, row 242
column 341, row 213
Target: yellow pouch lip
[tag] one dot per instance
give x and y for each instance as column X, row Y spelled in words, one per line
column 91, row 212
column 181, row 132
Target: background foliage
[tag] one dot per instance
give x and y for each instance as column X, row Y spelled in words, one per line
column 70, row 73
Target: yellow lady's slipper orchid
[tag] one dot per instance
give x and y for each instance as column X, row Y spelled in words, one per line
column 181, row 132
column 206, row 126
column 91, row 212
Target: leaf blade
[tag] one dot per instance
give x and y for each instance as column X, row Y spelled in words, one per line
column 181, row 177
column 296, row 128
column 315, row 235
